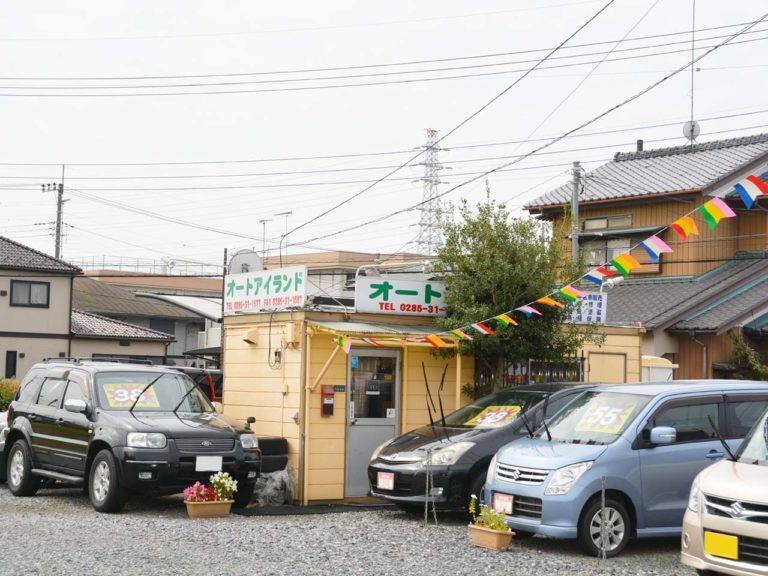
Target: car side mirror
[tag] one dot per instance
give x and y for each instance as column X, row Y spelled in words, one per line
column 75, row 405
column 663, row 435
column 248, row 421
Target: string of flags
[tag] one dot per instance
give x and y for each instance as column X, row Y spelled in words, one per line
column 712, row 212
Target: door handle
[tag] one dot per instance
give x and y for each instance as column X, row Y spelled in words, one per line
column 32, row 416
column 60, row 421
column 353, row 421
column 714, row 455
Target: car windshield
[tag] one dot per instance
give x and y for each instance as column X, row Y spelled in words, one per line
column 119, row 390
column 754, row 449
column 595, row 418
column 495, row 410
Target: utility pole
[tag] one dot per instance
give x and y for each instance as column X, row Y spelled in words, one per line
column 575, row 212
column 285, row 236
column 59, row 190
column 429, row 240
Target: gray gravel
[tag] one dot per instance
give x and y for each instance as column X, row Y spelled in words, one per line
column 57, row 532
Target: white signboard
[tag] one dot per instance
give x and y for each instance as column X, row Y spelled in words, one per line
column 591, row 309
column 393, row 296
column 265, row 290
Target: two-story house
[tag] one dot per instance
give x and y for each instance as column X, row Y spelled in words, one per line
column 713, row 283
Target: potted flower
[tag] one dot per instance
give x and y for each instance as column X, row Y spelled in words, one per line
column 488, row 528
column 212, row 500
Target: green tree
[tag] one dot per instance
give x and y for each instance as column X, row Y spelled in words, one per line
column 748, row 362
column 493, row 263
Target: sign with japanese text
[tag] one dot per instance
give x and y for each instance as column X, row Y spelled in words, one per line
column 265, row 290
column 591, row 309
column 393, row 296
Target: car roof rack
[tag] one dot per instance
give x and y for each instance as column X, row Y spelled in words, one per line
column 72, row 359
column 105, row 359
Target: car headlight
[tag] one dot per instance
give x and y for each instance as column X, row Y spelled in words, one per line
column 565, row 478
column 491, row 470
column 693, row 498
column 146, row 440
column 379, row 448
column 248, row 441
column 450, row 454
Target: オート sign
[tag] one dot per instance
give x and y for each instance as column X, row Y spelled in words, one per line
column 265, row 290
column 393, row 296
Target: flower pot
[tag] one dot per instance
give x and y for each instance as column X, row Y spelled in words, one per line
column 487, row 538
column 215, row 509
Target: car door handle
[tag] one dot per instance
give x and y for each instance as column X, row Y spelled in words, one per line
column 32, row 416
column 714, row 455
column 60, row 421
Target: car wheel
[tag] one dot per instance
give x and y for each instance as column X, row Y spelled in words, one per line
column 107, row 495
column 21, row 482
column 244, row 494
column 618, row 528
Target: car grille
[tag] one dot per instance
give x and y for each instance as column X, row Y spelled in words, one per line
column 203, row 445
column 753, row 551
column 736, row 509
column 526, row 507
column 529, row 476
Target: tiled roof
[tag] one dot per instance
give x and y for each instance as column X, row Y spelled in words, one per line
column 85, row 325
column 15, row 256
column 654, row 303
column 664, row 170
column 103, row 298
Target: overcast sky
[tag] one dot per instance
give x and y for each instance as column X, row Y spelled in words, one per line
column 50, row 47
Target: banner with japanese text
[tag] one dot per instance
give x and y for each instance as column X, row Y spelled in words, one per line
column 591, row 309
column 404, row 297
column 265, row 290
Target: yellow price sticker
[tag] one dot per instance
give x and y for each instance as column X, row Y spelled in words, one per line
column 606, row 417
column 124, row 395
column 494, row 416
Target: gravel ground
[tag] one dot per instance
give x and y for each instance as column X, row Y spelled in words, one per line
column 57, row 532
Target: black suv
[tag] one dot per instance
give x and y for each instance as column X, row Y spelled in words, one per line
column 121, row 428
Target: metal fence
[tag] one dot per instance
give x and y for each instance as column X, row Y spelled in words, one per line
column 537, row 371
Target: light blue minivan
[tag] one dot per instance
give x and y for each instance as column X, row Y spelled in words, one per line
column 646, row 442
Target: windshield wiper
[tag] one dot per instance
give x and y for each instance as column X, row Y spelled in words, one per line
column 147, row 387
column 722, row 440
column 191, row 388
column 544, row 418
column 440, row 402
column 525, row 423
column 428, row 398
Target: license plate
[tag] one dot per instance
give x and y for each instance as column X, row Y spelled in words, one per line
column 502, row 503
column 208, row 463
column 721, row 545
column 385, row 481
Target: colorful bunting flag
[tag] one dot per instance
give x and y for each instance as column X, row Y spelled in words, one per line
column 547, row 301
column 506, row 320
column 528, row 311
column 714, row 211
column 345, row 343
column 599, row 275
column 571, row 293
column 436, row 341
column 372, row 342
column 655, row 246
column 482, row 328
column 684, row 227
column 461, row 334
column 750, row 188
column 624, row 263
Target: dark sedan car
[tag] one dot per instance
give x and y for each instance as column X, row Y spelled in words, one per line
column 458, row 451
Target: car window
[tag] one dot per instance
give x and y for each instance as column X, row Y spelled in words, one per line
column 495, row 410
column 30, row 385
column 156, row 392
column 76, row 391
column 51, row 392
column 691, row 421
column 743, row 414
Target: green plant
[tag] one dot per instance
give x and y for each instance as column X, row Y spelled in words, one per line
column 488, row 517
column 8, row 388
column 748, row 361
column 223, row 485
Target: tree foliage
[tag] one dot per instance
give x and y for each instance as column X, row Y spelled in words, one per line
column 493, row 263
column 748, row 362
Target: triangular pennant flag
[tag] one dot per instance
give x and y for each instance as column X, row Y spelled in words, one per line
column 684, row 227
column 571, row 293
column 750, row 188
column 547, row 301
column 655, row 246
column 624, row 263
column 506, row 320
column 599, row 275
column 345, row 343
column 528, row 311
column 372, row 342
column 714, row 211
column 436, row 341
column 482, row 328
column 461, row 334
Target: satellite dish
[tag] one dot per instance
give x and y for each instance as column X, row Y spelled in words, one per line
column 691, row 130
column 245, row 261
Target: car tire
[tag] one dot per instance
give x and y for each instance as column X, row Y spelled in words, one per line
column 244, row 494
column 20, row 480
column 104, row 485
column 477, row 486
column 619, row 528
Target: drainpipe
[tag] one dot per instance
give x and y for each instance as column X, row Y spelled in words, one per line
column 704, row 365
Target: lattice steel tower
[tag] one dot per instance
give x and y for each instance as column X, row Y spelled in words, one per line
column 429, row 238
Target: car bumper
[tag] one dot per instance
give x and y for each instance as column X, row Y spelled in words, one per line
column 752, row 549
column 3, row 433
column 411, row 484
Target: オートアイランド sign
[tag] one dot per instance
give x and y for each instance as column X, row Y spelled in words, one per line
column 265, row 290
column 394, row 296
